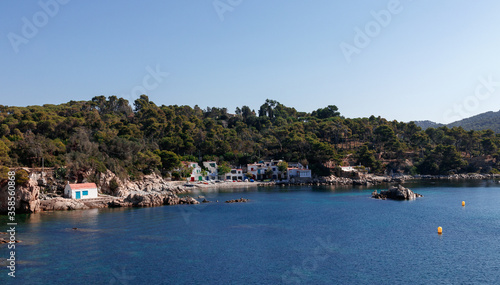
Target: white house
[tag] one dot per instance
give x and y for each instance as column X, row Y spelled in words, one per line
column 211, row 166
column 195, row 171
column 347, row 168
column 299, row 173
column 235, row 174
column 257, row 169
column 81, row 191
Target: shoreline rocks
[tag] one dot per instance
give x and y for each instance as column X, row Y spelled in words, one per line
column 141, row 199
column 241, row 200
column 396, row 193
column 152, row 190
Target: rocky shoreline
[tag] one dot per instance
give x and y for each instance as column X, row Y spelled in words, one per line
column 396, row 193
column 375, row 180
column 150, row 191
column 153, row 191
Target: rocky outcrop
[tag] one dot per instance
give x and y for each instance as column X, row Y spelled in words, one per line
column 468, row 176
column 335, row 180
column 58, row 204
column 144, row 199
column 241, row 200
column 98, row 204
column 396, row 193
column 26, row 197
column 110, row 184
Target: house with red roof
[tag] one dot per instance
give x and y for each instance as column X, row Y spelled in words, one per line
column 299, row 173
column 80, row 191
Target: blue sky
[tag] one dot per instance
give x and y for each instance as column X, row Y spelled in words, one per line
column 436, row 60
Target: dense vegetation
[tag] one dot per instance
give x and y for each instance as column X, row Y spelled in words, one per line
column 485, row 121
column 107, row 133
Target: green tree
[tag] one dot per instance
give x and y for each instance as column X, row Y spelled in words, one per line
column 22, row 177
column 283, row 166
column 250, row 175
column 223, row 168
column 169, row 160
column 367, row 158
column 328, row 112
column 269, row 173
column 147, row 161
column 443, row 159
column 487, row 145
column 4, row 173
column 4, row 154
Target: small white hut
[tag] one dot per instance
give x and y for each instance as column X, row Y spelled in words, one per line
column 81, row 191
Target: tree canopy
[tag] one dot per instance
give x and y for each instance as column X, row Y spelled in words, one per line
column 107, row 133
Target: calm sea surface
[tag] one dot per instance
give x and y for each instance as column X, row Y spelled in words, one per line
column 308, row 235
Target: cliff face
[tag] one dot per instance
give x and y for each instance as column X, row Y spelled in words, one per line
column 110, row 184
column 26, row 197
column 152, row 190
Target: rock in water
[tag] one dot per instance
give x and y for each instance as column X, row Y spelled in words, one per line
column 241, row 200
column 396, row 193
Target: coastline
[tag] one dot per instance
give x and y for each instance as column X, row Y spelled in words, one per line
column 153, row 191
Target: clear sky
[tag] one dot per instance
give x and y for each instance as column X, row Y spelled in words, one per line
column 404, row 60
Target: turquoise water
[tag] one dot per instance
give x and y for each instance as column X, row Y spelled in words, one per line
column 318, row 235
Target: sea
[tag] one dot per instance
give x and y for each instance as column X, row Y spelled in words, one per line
column 282, row 235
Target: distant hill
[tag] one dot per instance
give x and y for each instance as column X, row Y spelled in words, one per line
column 484, row 121
column 428, row 124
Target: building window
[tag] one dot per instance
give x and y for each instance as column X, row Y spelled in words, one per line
column 85, row 193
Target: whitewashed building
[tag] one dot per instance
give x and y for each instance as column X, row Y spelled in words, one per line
column 258, row 170
column 235, row 174
column 195, row 171
column 299, row 173
column 81, row 191
column 211, row 166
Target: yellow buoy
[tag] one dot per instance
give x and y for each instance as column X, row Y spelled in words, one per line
column 463, row 203
column 440, row 230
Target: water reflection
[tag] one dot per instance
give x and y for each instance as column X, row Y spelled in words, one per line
column 88, row 217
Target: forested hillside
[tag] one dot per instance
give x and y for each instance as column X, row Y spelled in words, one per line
column 108, row 133
column 428, row 124
column 484, row 121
